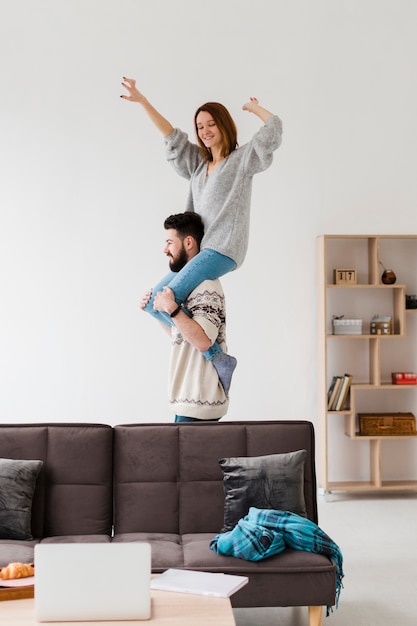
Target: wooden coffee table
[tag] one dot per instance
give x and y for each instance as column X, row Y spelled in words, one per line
column 168, row 609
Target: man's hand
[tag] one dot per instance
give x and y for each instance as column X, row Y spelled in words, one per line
column 188, row 327
column 165, row 301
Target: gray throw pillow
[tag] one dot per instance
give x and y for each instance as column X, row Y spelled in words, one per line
column 274, row 481
column 17, row 486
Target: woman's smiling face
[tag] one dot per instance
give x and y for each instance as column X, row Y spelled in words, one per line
column 208, row 130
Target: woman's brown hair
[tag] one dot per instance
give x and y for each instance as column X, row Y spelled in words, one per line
column 226, row 125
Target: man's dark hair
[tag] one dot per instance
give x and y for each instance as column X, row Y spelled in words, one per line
column 188, row 223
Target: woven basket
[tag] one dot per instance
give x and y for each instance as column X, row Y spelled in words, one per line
column 384, row 424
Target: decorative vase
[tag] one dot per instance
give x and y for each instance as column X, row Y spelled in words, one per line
column 388, row 277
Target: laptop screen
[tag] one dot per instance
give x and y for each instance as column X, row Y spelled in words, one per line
column 92, row 581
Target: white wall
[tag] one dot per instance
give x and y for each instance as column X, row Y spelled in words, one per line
column 85, row 186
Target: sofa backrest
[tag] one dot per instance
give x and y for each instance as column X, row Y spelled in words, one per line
column 167, row 477
column 73, row 493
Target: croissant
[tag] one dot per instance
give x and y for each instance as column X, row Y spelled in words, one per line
column 17, row 570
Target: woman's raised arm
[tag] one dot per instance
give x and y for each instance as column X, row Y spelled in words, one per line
column 253, row 106
column 134, row 95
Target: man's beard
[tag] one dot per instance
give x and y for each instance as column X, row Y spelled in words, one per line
column 177, row 264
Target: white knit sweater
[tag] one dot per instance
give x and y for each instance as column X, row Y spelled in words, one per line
column 194, row 389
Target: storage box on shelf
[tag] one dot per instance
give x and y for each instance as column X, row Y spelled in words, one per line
column 371, row 356
column 347, row 327
column 404, row 378
column 384, row 424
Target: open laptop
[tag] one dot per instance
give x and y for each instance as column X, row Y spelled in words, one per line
column 92, row 581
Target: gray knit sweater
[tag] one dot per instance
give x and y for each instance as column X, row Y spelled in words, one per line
column 223, row 198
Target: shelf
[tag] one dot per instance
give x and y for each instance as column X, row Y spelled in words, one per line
column 355, row 486
column 363, row 336
column 386, row 386
column 379, row 437
column 367, row 357
column 367, row 286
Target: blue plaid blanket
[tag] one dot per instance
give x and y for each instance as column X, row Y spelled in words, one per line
column 264, row 532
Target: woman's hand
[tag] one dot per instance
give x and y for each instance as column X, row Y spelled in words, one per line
column 249, row 106
column 161, row 123
column 134, row 94
column 253, row 106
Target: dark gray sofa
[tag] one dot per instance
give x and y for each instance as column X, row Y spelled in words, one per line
column 162, row 483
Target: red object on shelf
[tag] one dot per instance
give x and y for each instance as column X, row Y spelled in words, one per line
column 404, row 378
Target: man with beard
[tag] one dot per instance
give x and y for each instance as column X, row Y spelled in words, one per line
column 194, row 388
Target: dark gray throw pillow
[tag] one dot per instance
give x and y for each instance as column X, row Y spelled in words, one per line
column 17, row 486
column 274, row 481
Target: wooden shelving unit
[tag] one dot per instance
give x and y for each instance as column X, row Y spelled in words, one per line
column 369, row 358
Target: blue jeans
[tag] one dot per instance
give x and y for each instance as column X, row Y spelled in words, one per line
column 182, row 418
column 206, row 265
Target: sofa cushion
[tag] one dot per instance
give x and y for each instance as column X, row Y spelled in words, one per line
column 166, row 548
column 77, row 539
column 145, row 479
column 277, row 581
column 274, row 481
column 73, row 494
column 198, row 555
column 17, row 486
column 167, row 477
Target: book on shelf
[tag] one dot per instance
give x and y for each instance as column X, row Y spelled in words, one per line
column 330, row 391
column 344, row 392
column 333, row 392
column 338, row 392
